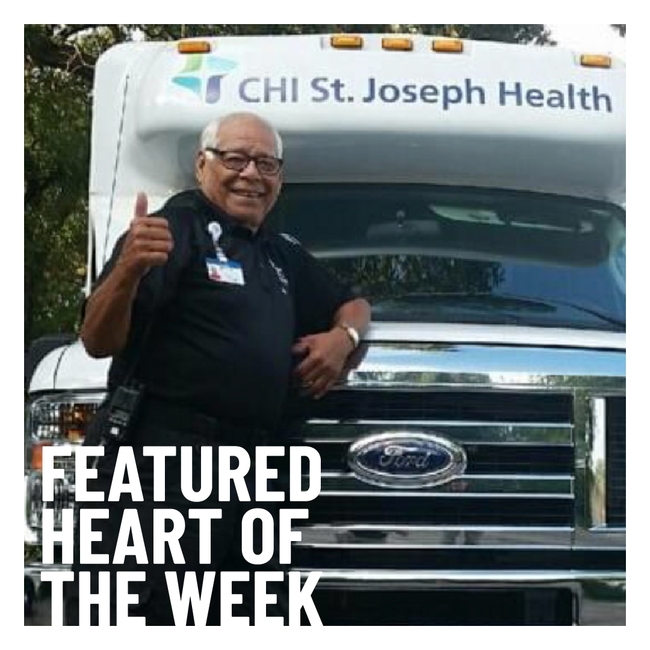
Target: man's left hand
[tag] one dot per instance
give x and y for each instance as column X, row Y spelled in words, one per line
column 325, row 355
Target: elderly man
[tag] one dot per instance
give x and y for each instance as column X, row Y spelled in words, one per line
column 210, row 317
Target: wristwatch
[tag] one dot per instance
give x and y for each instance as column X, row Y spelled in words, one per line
column 352, row 333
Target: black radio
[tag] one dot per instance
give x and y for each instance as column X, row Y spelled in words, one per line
column 122, row 411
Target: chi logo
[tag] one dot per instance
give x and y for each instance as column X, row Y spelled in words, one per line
column 202, row 75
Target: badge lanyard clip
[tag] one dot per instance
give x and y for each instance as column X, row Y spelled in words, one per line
column 214, row 229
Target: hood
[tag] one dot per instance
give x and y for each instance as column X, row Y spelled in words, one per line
column 496, row 335
column 70, row 368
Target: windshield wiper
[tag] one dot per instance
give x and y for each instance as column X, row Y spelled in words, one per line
column 553, row 302
column 515, row 301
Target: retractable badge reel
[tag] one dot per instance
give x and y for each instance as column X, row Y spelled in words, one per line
column 215, row 231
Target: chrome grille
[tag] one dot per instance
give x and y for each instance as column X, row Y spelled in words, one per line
column 526, row 435
column 511, row 480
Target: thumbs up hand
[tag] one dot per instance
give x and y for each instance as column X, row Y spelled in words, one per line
column 148, row 241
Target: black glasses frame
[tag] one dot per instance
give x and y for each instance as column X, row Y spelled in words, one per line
column 265, row 165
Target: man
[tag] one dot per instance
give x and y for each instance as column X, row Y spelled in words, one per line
column 213, row 317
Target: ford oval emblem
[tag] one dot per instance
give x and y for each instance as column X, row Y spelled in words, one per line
column 403, row 459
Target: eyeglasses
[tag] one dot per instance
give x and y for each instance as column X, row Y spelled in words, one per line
column 238, row 161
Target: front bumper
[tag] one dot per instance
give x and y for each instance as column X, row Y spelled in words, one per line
column 425, row 598
column 532, row 597
column 472, row 598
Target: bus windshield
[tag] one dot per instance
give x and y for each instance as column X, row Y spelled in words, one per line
column 423, row 253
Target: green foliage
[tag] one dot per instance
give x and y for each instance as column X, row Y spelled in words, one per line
column 59, row 64
column 507, row 33
column 56, row 167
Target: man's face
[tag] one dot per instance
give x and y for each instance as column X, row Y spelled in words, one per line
column 247, row 196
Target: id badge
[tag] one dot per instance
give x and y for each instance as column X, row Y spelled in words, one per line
column 226, row 271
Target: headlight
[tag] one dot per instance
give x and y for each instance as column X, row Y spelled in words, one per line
column 60, row 419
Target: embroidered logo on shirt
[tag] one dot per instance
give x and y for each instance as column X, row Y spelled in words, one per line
column 290, row 238
column 284, row 283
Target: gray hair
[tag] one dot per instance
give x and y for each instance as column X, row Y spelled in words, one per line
column 210, row 134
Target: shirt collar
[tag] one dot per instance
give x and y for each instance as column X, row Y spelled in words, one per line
column 230, row 226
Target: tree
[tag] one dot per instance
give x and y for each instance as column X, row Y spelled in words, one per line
column 56, row 162
column 59, row 66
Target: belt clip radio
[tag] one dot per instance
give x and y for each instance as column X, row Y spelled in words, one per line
column 122, row 411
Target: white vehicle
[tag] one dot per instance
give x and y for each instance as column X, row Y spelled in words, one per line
column 474, row 459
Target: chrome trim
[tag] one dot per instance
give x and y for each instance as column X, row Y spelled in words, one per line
column 437, row 495
column 32, row 536
column 81, row 397
column 34, row 569
column 354, row 536
column 341, row 482
column 497, row 367
column 482, row 334
column 332, row 431
column 596, row 464
column 591, row 462
column 345, row 576
column 497, row 382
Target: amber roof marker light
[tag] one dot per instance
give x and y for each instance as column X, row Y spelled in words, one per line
column 399, row 44
column 452, row 45
column 346, row 42
column 595, row 60
column 193, row 47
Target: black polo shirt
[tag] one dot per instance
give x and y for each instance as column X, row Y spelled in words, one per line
column 224, row 348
